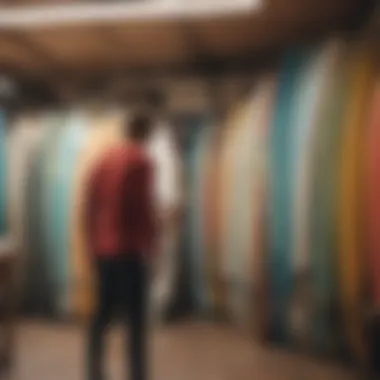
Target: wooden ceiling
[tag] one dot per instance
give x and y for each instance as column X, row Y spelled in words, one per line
column 66, row 52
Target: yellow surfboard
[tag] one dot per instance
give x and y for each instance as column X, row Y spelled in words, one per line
column 257, row 172
column 104, row 131
column 228, row 179
column 351, row 255
column 212, row 221
column 224, row 184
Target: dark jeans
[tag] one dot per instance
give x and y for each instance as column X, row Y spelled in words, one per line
column 122, row 285
column 373, row 339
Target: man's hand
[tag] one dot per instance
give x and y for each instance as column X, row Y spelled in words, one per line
column 153, row 266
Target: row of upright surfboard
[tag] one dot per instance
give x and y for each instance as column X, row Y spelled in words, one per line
column 49, row 157
column 285, row 214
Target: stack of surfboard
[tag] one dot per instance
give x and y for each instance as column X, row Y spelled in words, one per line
column 49, row 157
column 288, row 186
column 282, row 195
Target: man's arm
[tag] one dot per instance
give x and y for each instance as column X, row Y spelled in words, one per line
column 89, row 210
column 146, row 205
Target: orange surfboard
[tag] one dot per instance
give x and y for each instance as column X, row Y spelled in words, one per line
column 351, row 250
column 104, row 131
column 373, row 200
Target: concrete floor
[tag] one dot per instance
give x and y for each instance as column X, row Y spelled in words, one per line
column 189, row 351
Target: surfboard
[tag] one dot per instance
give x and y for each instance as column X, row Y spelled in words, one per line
column 196, row 182
column 256, row 234
column 22, row 139
column 352, row 266
column 324, row 204
column 229, row 178
column 373, row 187
column 39, row 297
column 50, row 203
column 211, row 221
column 168, row 189
column 240, row 259
column 70, row 141
column 3, row 173
column 225, row 188
column 104, row 132
column 301, row 123
column 203, row 183
column 315, row 78
column 280, row 229
column 247, row 249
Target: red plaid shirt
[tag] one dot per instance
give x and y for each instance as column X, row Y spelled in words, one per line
column 119, row 213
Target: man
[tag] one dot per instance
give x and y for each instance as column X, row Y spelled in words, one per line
column 121, row 232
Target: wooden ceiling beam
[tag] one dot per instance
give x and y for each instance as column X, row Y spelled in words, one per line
column 51, row 65
column 112, row 41
column 290, row 21
column 193, row 42
column 243, row 63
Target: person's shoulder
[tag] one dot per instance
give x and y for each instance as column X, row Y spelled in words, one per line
column 139, row 157
column 105, row 159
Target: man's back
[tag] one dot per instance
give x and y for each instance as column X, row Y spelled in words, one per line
column 120, row 227
column 120, row 217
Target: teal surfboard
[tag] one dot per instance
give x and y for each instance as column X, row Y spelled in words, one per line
column 197, row 259
column 243, row 200
column 280, row 219
column 324, row 205
column 67, row 148
column 205, row 144
column 39, row 295
column 309, row 95
column 235, row 257
column 50, row 204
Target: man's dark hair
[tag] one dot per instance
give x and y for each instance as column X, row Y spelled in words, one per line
column 139, row 127
column 155, row 100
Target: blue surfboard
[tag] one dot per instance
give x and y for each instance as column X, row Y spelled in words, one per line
column 39, row 292
column 280, row 173
column 197, row 259
column 324, row 199
column 70, row 141
column 307, row 100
